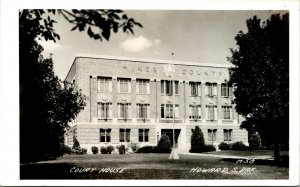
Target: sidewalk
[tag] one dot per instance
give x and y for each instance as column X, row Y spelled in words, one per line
column 263, row 157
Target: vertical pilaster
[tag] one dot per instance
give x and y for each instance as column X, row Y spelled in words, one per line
column 153, row 104
column 203, row 102
column 219, row 107
column 182, row 101
column 133, row 98
column 114, row 98
column 93, row 98
column 187, row 96
column 158, row 99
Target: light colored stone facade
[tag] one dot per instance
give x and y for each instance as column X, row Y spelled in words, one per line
column 87, row 68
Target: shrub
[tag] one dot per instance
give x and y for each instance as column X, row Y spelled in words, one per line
column 255, row 141
column 224, row 146
column 133, row 146
column 209, row 148
column 83, row 151
column 239, row 146
column 147, row 149
column 103, row 150
column 122, row 149
column 200, row 149
column 65, row 150
column 76, row 143
column 110, row 149
column 78, row 151
column 197, row 139
column 95, row 150
column 164, row 144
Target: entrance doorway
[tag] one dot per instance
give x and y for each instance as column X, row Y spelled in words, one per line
column 169, row 133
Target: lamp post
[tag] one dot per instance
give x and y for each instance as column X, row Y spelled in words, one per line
column 170, row 70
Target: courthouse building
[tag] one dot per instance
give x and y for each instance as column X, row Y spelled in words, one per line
column 138, row 100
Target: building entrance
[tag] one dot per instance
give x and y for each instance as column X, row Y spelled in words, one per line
column 169, row 133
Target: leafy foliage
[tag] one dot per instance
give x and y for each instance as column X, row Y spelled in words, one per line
column 95, row 150
column 224, row 146
column 261, row 78
column 239, row 146
column 255, row 141
column 47, row 104
column 197, row 139
column 121, row 149
column 164, row 144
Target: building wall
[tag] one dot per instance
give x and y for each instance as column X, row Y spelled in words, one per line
column 88, row 69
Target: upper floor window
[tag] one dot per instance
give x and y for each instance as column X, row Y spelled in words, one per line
column 167, row 87
column 211, row 112
column 227, row 134
column 168, row 112
column 195, row 88
column 211, row 89
column 227, row 112
column 104, row 84
column 226, row 91
column 104, row 110
column 124, row 85
column 143, row 110
column 212, row 135
column 105, row 135
column 142, row 86
column 195, row 112
column 124, row 110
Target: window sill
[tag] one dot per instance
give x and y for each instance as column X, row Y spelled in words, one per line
column 227, row 120
column 142, row 93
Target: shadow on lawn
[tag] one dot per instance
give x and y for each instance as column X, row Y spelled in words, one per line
column 46, row 171
column 284, row 161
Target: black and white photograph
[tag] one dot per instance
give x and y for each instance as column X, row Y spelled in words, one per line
column 155, row 94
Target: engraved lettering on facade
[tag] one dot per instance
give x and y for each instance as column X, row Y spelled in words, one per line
column 191, row 72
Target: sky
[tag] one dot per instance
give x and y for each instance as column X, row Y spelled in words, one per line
column 203, row 36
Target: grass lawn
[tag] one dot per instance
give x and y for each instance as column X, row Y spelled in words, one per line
column 148, row 166
column 248, row 153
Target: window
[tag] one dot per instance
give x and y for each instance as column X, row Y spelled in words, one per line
column 227, row 134
column 167, row 87
column 105, row 135
column 124, row 85
column 211, row 89
column 195, row 89
column 212, row 135
column 162, row 111
column 195, row 111
column 124, row 110
column 211, row 112
column 143, row 111
column 124, row 135
column 227, row 113
column 104, row 84
column 143, row 135
column 168, row 111
column 142, row 86
column 226, row 91
column 104, row 110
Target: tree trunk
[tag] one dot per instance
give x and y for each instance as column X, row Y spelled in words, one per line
column 277, row 153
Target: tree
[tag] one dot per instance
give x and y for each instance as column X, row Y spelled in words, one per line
column 261, row 78
column 47, row 104
column 197, row 139
column 164, row 144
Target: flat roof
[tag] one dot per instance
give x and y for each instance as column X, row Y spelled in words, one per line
column 149, row 60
